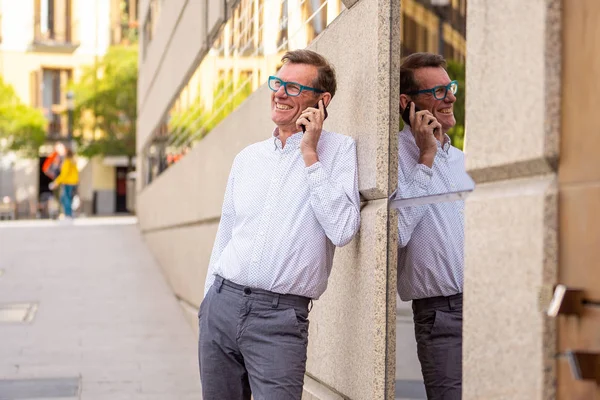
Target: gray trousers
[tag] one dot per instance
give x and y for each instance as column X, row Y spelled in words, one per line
column 438, row 330
column 252, row 342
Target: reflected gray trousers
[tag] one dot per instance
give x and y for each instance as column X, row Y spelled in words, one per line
column 252, row 342
column 438, row 330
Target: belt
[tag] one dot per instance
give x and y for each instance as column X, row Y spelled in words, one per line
column 440, row 301
column 275, row 299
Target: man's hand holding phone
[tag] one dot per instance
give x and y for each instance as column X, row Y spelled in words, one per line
column 311, row 122
column 424, row 127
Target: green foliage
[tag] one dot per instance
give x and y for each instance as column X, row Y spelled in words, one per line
column 23, row 127
column 456, row 71
column 229, row 94
column 108, row 93
column 196, row 121
column 190, row 122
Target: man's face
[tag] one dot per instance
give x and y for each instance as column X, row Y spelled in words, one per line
column 285, row 110
column 442, row 110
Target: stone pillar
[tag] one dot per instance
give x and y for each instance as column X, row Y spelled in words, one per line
column 513, row 127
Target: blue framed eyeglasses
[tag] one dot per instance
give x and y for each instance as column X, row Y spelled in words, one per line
column 439, row 92
column 291, row 88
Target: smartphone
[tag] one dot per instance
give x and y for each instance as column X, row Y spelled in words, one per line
column 406, row 113
column 317, row 107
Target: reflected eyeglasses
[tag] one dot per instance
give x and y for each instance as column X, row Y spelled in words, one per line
column 439, row 92
column 291, row 88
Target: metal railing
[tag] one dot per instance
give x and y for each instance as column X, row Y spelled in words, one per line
column 56, row 34
column 247, row 50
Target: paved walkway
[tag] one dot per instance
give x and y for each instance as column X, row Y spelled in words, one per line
column 104, row 324
column 409, row 380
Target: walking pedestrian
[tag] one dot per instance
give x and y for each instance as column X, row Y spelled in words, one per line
column 68, row 178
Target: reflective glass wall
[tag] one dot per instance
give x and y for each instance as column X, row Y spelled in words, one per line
column 430, row 206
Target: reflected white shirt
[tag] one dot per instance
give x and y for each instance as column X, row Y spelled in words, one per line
column 431, row 236
column 281, row 220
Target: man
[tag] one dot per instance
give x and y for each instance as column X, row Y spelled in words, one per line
column 430, row 255
column 290, row 200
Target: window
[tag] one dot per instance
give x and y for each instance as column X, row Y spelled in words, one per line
column 48, row 93
column 54, row 22
column 150, row 25
column 421, row 28
column 409, row 35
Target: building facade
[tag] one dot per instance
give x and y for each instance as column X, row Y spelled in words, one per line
column 248, row 47
column 44, row 45
column 531, row 223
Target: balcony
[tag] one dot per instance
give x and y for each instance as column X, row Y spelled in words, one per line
column 54, row 27
column 55, row 40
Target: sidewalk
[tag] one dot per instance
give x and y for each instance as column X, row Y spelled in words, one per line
column 106, row 327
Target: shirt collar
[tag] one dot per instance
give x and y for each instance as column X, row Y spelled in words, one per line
column 293, row 142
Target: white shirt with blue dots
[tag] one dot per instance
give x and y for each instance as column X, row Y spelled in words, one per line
column 281, row 220
column 431, row 236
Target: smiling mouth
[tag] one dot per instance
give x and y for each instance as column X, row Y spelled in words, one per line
column 447, row 111
column 282, row 107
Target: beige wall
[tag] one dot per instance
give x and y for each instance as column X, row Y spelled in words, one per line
column 94, row 175
column 104, row 176
column 86, row 180
column 26, row 181
column 179, row 211
column 92, row 23
column 513, row 119
column 17, row 66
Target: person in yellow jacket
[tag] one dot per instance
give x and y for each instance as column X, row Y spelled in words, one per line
column 68, row 178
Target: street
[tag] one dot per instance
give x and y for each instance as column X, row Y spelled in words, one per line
column 85, row 313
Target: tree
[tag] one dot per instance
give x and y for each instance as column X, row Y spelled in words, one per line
column 22, row 127
column 456, row 71
column 106, row 99
column 195, row 121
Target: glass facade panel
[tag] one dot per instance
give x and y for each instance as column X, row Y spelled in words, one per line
column 439, row 29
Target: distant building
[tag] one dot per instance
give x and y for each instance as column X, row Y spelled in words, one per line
column 44, row 44
column 436, row 26
column 248, row 48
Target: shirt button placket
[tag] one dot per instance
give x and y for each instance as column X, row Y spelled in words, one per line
column 266, row 213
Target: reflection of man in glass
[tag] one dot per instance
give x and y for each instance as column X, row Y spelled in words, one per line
column 430, row 255
column 290, row 200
